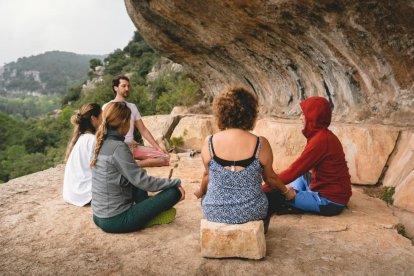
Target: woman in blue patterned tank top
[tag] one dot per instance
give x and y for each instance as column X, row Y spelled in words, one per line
column 236, row 162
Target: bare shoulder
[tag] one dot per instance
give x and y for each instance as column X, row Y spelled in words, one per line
column 205, row 153
column 266, row 155
column 265, row 143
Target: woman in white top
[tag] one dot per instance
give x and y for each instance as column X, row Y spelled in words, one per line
column 77, row 182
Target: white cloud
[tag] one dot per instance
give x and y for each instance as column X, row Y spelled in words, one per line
column 30, row 27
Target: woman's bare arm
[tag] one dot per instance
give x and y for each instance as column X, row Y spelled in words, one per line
column 269, row 176
column 205, row 156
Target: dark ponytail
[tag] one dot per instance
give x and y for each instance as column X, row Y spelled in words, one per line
column 82, row 123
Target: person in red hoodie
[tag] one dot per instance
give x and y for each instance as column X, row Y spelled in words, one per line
column 327, row 189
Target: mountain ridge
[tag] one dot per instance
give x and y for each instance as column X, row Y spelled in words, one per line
column 50, row 73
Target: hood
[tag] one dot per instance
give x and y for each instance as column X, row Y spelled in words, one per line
column 318, row 113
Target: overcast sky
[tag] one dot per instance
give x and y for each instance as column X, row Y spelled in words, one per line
column 31, row 27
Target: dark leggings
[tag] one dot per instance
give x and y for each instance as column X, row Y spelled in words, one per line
column 144, row 209
column 278, row 205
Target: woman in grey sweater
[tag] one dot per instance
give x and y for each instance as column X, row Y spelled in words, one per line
column 120, row 201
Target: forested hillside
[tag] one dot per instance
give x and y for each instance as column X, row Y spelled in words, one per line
column 28, row 106
column 155, row 95
column 50, row 73
column 30, row 144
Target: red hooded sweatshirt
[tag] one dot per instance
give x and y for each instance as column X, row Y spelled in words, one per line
column 323, row 154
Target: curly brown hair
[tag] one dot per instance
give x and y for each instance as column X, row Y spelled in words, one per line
column 236, row 107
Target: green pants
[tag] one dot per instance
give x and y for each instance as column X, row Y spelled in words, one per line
column 144, row 209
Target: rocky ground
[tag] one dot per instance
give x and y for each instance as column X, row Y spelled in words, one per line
column 43, row 235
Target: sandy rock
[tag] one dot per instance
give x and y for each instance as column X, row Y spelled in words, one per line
column 160, row 126
column 402, row 161
column 400, row 174
column 194, row 129
column 179, row 110
column 285, row 138
column 163, row 68
column 406, row 219
column 367, row 148
column 404, row 193
column 220, row 240
column 42, row 235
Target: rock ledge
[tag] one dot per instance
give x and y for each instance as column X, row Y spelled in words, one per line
column 42, row 235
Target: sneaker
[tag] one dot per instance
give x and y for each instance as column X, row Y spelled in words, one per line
column 164, row 217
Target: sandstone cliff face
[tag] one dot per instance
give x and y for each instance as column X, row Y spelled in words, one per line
column 358, row 54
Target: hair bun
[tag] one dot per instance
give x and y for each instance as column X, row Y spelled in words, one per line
column 76, row 118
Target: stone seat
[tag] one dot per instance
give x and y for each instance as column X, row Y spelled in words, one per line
column 220, row 240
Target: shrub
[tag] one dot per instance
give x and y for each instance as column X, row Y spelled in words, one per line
column 175, row 142
column 387, row 193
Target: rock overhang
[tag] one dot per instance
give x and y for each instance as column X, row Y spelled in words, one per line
column 358, row 54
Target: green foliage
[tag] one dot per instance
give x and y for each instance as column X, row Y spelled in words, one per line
column 36, row 139
column 93, row 63
column 20, row 163
column 29, row 106
column 101, row 94
column 72, row 95
column 141, row 96
column 175, row 142
column 145, row 64
column 175, row 90
column 11, row 131
column 137, row 47
column 50, row 73
column 157, row 97
column 35, row 143
column 115, row 62
column 387, row 193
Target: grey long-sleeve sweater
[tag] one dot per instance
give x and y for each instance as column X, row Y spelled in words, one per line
column 115, row 173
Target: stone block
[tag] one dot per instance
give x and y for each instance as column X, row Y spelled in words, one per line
column 406, row 218
column 285, row 138
column 220, row 240
column 404, row 193
column 366, row 147
column 157, row 125
column 402, row 161
column 160, row 126
column 194, row 129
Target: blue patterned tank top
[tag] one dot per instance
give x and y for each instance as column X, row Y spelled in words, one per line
column 234, row 197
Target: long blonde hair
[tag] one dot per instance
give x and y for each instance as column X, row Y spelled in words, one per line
column 82, row 122
column 114, row 116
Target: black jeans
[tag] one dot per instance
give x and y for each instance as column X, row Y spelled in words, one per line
column 277, row 204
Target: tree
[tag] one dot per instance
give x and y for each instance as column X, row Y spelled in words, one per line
column 73, row 94
column 115, row 62
column 93, row 63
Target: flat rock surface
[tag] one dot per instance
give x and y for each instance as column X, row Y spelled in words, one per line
column 43, row 235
